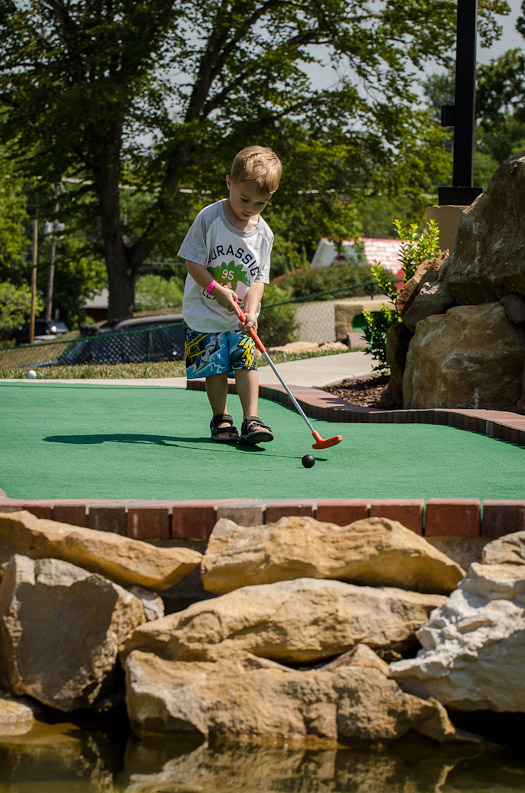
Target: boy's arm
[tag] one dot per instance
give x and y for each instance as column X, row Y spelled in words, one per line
column 251, row 304
column 224, row 297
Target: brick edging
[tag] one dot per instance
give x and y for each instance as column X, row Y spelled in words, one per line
column 504, row 425
column 194, row 520
column 459, row 518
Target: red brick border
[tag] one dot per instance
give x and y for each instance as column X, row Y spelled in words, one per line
column 194, row 520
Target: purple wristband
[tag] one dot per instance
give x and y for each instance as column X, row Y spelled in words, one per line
column 210, row 286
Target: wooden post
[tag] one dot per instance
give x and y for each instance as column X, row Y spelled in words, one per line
column 32, row 212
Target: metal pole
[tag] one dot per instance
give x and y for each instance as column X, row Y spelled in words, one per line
column 465, row 94
column 462, row 115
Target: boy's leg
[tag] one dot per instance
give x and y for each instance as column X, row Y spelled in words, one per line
column 217, row 392
column 247, row 383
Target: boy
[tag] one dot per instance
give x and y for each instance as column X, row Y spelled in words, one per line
column 227, row 252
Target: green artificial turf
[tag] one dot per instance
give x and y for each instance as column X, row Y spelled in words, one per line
column 74, row 440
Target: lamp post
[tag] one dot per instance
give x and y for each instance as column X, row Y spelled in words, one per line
column 32, row 212
column 461, row 115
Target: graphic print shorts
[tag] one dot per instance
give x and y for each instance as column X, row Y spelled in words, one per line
column 215, row 353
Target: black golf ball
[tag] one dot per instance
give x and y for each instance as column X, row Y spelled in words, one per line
column 308, row 460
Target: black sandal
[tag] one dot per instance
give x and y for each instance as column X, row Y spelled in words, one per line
column 216, row 430
column 254, row 431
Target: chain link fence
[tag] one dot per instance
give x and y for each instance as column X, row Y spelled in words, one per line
column 163, row 343
column 323, row 317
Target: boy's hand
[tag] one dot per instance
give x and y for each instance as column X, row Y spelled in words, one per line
column 225, row 297
column 251, row 321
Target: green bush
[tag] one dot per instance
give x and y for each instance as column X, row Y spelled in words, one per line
column 415, row 248
column 310, row 281
column 153, row 293
column 15, row 307
column 277, row 324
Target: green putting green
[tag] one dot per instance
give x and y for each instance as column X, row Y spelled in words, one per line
column 70, row 440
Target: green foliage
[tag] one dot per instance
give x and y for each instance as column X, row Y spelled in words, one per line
column 311, row 281
column 286, row 256
column 376, row 326
column 277, row 324
column 79, row 274
column 154, row 293
column 416, row 247
column 13, row 221
column 500, row 113
column 15, row 307
column 157, row 97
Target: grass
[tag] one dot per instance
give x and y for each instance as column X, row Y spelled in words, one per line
column 138, row 370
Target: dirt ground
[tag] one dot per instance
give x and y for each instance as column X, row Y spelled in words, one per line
column 363, row 391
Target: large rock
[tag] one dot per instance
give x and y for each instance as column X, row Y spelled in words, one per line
column 120, row 559
column 398, row 338
column 488, row 261
column 291, row 621
column 474, row 645
column 247, row 698
column 509, row 549
column 16, row 715
column 423, row 294
column 470, row 357
column 60, row 631
column 373, row 551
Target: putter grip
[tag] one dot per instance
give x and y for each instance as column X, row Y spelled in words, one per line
column 258, row 343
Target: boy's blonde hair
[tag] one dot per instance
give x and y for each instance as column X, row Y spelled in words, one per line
column 257, row 164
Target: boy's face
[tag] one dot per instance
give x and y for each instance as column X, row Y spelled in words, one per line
column 246, row 202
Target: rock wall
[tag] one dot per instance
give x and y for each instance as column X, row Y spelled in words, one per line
column 322, row 635
column 466, row 311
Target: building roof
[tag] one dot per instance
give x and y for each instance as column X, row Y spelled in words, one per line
column 385, row 251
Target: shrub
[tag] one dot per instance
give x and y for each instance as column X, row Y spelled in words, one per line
column 154, row 293
column 415, row 248
column 310, row 281
column 15, row 307
column 277, row 324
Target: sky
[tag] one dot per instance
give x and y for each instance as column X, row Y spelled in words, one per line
column 510, row 38
column 324, row 76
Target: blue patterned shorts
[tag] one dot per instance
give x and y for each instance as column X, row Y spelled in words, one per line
column 215, row 353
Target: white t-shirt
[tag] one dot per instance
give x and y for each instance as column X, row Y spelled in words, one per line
column 234, row 257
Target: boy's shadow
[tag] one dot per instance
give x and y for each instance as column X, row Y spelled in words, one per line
column 141, row 438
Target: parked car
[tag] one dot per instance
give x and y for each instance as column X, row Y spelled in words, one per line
column 158, row 337
column 45, row 330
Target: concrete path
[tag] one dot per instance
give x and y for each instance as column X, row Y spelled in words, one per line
column 307, row 373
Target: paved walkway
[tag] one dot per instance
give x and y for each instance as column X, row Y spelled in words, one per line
column 308, row 372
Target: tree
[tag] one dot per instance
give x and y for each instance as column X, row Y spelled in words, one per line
column 15, row 307
column 13, row 221
column 158, row 96
column 500, row 107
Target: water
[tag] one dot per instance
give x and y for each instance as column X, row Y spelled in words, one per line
column 68, row 758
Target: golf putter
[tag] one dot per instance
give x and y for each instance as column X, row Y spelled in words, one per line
column 320, row 443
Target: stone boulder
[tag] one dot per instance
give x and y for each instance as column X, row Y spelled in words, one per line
column 509, row 549
column 16, row 715
column 398, row 338
column 60, row 632
column 474, row 645
column 423, row 295
column 373, row 552
column 514, row 306
column 470, row 357
column 290, row 621
column 121, row 559
column 245, row 697
column 488, row 260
